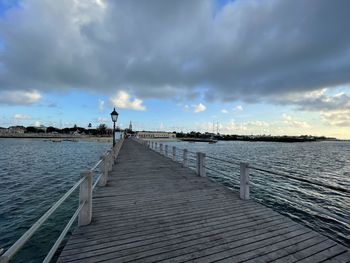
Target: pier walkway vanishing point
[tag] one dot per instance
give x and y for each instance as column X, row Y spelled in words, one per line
column 142, row 203
column 153, row 209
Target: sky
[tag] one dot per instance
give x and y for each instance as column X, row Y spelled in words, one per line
column 248, row 66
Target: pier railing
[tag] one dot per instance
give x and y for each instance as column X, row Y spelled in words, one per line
column 84, row 210
column 201, row 163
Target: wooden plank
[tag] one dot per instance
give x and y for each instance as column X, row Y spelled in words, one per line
column 279, row 244
column 341, row 258
column 179, row 235
column 177, row 244
column 307, row 251
column 325, row 254
column 153, row 209
column 194, row 223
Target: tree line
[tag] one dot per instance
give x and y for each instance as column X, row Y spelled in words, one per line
column 101, row 129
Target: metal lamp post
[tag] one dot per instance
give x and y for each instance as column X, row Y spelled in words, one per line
column 114, row 116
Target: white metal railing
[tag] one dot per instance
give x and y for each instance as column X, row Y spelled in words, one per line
column 83, row 212
column 199, row 160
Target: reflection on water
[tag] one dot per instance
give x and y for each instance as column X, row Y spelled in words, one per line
column 325, row 162
column 33, row 175
column 36, row 173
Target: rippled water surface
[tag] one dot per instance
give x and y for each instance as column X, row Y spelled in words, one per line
column 36, row 173
column 33, row 175
column 327, row 163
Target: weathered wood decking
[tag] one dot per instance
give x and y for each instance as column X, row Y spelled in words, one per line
column 154, row 210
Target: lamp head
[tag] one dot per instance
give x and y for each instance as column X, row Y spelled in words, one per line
column 114, row 115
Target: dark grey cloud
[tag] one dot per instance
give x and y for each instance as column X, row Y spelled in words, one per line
column 248, row 50
column 319, row 100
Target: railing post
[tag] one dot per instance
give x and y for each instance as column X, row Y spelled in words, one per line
column 104, row 177
column 174, row 153
column 107, row 160
column 114, row 153
column 185, row 159
column 166, row 150
column 161, row 148
column 156, row 148
column 110, row 161
column 85, row 195
column 244, row 184
column 117, row 148
column 201, row 164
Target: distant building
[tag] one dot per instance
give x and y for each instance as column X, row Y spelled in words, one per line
column 16, row 129
column 119, row 135
column 130, row 127
column 155, row 135
column 3, row 130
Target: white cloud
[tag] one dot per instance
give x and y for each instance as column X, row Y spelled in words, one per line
column 124, row 101
column 83, row 44
column 101, row 3
column 233, row 127
column 18, row 97
column 239, row 108
column 224, row 111
column 101, row 105
column 292, row 122
column 333, row 108
column 21, row 117
column 199, row 108
column 37, row 123
column 318, row 100
column 339, row 118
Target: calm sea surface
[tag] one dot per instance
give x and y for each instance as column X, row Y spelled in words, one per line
column 327, row 163
column 36, row 173
column 33, row 175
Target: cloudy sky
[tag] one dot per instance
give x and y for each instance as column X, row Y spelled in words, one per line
column 253, row 66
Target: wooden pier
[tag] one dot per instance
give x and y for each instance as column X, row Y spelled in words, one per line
column 152, row 209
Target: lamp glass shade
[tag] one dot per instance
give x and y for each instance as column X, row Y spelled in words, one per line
column 114, row 115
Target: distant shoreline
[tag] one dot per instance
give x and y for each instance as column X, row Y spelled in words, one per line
column 109, row 138
column 261, row 139
column 57, row 137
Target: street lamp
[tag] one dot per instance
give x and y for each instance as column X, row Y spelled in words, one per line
column 114, row 116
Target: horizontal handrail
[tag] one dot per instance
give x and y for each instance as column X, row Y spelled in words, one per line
column 5, row 257
column 96, row 165
column 245, row 172
column 340, row 189
column 96, row 182
column 219, row 172
column 223, row 160
column 58, row 242
column 284, row 174
column 312, row 208
column 29, row 233
column 337, row 188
